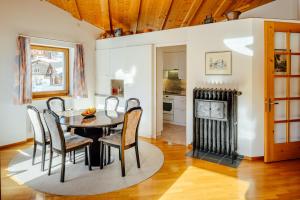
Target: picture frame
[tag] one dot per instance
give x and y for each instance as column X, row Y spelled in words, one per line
column 218, row 63
column 280, row 62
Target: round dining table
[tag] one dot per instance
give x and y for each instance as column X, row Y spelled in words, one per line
column 92, row 127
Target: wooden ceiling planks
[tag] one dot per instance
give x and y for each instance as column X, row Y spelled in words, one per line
column 205, row 10
column 124, row 14
column 95, row 12
column 177, row 13
column 140, row 15
column 153, row 14
column 69, row 6
column 221, row 9
column 196, row 5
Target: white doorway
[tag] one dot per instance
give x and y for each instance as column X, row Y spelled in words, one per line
column 171, row 94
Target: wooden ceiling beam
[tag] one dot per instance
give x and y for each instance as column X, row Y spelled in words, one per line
column 71, row 7
column 167, row 16
column 205, row 10
column 222, row 8
column 153, row 15
column 110, row 17
column 134, row 30
column 78, row 11
column 196, row 5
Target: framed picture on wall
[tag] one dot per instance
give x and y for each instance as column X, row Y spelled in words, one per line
column 218, row 63
column 280, row 64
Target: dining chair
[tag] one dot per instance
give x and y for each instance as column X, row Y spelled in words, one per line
column 63, row 145
column 40, row 136
column 126, row 140
column 56, row 104
column 111, row 103
column 131, row 103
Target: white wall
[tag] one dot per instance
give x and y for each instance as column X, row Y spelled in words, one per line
column 279, row 9
column 208, row 39
column 247, row 71
column 37, row 18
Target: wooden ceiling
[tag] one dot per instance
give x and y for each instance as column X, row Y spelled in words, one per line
column 138, row 15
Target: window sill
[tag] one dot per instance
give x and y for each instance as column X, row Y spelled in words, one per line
column 46, row 98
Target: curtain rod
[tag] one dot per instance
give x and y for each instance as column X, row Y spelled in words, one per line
column 48, row 39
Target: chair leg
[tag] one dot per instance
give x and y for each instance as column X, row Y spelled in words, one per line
column 123, row 162
column 89, row 157
column 137, row 156
column 85, row 156
column 43, row 157
column 101, row 154
column 104, row 154
column 34, row 153
column 50, row 162
column 70, row 156
column 109, row 153
column 73, row 157
column 63, row 163
column 119, row 153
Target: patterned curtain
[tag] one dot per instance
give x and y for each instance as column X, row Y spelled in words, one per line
column 79, row 85
column 23, row 89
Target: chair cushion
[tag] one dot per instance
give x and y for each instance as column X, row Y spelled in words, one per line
column 73, row 141
column 66, row 134
column 112, row 139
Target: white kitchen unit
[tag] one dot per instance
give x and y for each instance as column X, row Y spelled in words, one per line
column 174, row 109
column 133, row 66
column 175, row 61
column 179, row 110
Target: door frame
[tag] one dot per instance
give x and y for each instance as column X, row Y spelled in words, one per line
column 270, row 27
column 155, row 68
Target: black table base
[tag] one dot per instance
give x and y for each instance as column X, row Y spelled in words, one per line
column 95, row 134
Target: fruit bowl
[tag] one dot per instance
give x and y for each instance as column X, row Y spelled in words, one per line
column 90, row 112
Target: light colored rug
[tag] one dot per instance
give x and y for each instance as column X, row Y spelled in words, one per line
column 78, row 179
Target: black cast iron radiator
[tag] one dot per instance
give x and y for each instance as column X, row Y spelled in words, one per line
column 215, row 121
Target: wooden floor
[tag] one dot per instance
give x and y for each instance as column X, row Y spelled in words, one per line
column 182, row 177
column 173, row 134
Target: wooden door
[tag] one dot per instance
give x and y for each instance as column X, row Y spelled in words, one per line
column 282, row 91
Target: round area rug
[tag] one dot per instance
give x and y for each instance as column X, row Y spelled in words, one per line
column 78, row 179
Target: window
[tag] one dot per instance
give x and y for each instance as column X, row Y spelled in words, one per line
column 50, row 71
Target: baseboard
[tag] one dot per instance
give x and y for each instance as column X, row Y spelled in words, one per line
column 255, row 158
column 16, row 144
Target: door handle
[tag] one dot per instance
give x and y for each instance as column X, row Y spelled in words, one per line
column 272, row 103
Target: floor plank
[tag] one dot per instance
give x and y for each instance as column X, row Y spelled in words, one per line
column 183, row 177
column 173, row 134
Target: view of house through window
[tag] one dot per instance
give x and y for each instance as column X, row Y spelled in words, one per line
column 50, row 71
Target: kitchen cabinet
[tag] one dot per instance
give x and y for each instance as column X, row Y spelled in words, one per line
column 133, row 65
column 179, row 117
column 175, row 60
column 170, row 60
column 102, row 61
column 103, row 72
column 180, row 110
column 178, row 114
